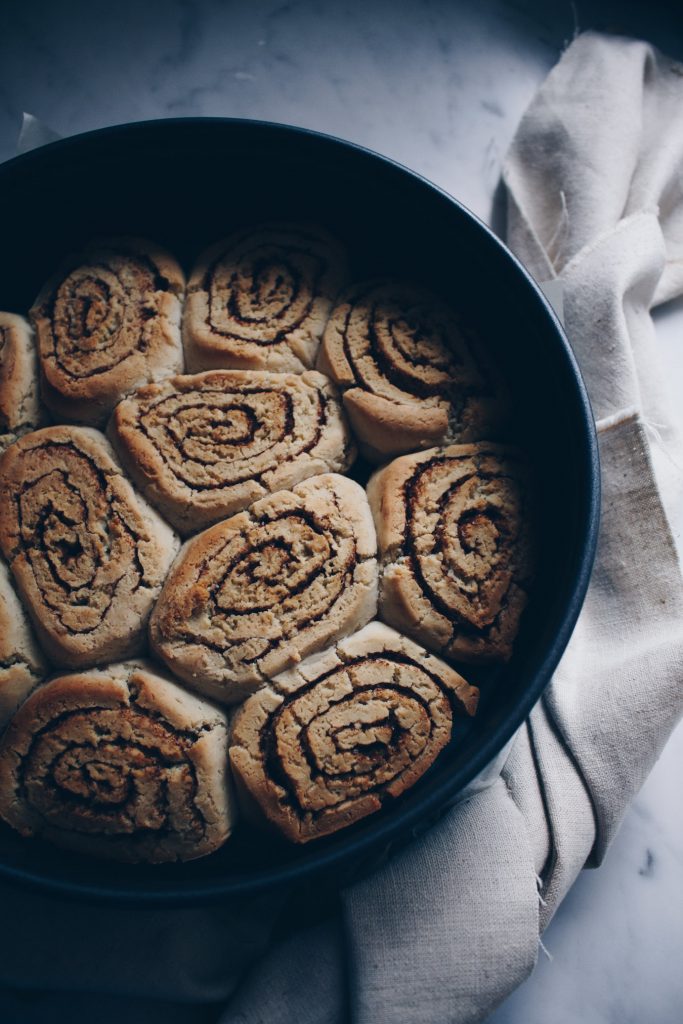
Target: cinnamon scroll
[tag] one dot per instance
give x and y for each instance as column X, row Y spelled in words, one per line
column 455, row 534
column 118, row 762
column 20, row 409
column 87, row 554
column 410, row 376
column 202, row 447
column 106, row 323
column 273, row 601
column 259, row 299
column 328, row 742
column 258, row 592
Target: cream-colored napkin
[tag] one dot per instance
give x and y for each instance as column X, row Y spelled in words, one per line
column 450, row 927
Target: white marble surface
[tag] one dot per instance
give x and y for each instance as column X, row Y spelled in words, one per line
column 439, row 86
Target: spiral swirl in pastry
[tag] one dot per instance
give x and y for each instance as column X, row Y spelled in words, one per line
column 328, row 742
column 19, row 404
column 203, row 447
column 259, row 299
column 106, row 323
column 118, row 762
column 409, row 375
column 454, row 527
column 87, row 554
column 258, row 592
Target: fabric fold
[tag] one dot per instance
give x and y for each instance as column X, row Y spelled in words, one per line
column 629, row 637
column 449, row 927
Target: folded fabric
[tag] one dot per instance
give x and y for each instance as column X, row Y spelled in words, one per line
column 448, row 928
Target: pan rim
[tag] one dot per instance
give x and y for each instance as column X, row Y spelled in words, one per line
column 382, row 831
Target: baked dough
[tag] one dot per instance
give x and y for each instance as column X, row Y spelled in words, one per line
column 261, row 590
column 119, row 762
column 107, row 322
column 410, row 376
column 454, row 527
column 22, row 665
column 20, row 409
column 203, row 447
column 87, row 554
column 328, row 742
column 259, row 299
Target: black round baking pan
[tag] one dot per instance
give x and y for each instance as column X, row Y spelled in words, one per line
column 185, row 183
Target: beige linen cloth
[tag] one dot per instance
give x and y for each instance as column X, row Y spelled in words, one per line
column 448, row 928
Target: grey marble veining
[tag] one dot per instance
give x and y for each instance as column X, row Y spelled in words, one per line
column 439, row 85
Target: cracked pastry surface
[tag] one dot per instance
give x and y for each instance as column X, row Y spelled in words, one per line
column 22, row 665
column 259, row 591
column 259, row 299
column 20, row 409
column 202, row 447
column 410, row 376
column 328, row 742
column 455, row 539
column 119, row 762
column 87, row 554
column 107, row 322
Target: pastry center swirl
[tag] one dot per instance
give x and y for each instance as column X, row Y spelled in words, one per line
column 99, row 316
column 111, row 771
column 211, row 439
column 354, row 731
column 78, row 536
column 401, row 346
column 204, row 431
column 102, row 775
column 263, row 293
column 415, row 340
column 463, row 531
column 274, row 577
column 285, row 557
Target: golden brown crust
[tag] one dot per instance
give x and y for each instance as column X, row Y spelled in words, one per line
column 87, row 554
column 455, row 539
column 20, row 408
column 107, row 322
column 325, row 744
column 259, row 299
column 263, row 589
column 120, row 763
column 205, row 446
column 410, row 376
column 22, row 665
